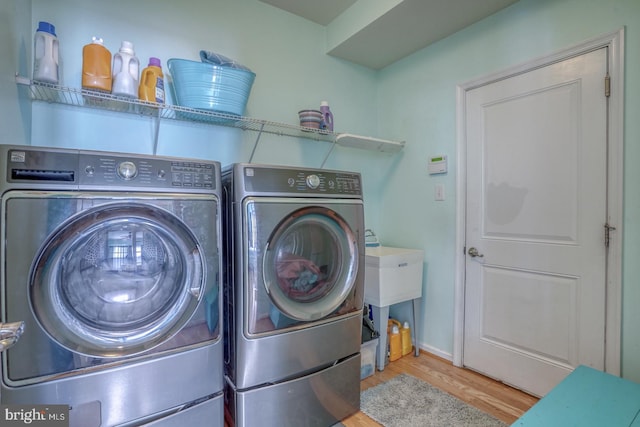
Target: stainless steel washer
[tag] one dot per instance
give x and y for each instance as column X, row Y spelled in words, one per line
column 113, row 263
column 293, row 294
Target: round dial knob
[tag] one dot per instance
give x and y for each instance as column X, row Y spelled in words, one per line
column 313, row 181
column 127, row 170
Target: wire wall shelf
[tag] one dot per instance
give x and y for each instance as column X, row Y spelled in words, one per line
column 51, row 93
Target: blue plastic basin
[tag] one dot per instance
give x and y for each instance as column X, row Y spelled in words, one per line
column 210, row 87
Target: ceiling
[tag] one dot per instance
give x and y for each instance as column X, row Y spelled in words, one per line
column 378, row 33
column 319, row 11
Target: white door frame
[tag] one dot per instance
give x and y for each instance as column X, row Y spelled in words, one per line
column 615, row 133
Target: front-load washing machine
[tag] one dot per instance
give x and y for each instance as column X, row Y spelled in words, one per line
column 112, row 261
column 293, row 294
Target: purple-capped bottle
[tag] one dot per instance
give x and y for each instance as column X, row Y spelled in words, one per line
column 327, row 116
column 152, row 82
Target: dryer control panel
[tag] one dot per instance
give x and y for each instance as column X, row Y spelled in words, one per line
column 286, row 181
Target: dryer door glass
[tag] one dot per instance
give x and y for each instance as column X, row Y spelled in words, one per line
column 117, row 280
column 310, row 266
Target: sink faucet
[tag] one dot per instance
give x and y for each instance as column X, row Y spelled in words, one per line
column 370, row 238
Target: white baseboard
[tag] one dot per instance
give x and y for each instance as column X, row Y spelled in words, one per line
column 437, row 352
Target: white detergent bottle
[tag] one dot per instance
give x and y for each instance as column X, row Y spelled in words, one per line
column 45, row 54
column 126, row 69
column 405, row 339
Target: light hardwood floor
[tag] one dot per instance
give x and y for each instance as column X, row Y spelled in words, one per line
column 495, row 398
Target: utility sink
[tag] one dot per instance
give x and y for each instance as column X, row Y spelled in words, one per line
column 392, row 275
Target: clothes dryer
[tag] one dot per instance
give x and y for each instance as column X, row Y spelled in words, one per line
column 293, row 294
column 112, row 261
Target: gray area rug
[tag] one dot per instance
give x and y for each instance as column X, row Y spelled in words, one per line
column 406, row 401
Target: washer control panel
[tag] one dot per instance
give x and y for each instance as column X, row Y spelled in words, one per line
column 78, row 169
column 300, row 181
column 146, row 172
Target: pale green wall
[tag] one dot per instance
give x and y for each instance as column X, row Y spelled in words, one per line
column 413, row 99
column 15, row 115
column 417, row 98
column 285, row 51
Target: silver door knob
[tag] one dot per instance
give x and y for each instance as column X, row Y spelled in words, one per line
column 10, row 333
column 473, row 252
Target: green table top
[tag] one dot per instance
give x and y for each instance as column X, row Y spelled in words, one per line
column 587, row 398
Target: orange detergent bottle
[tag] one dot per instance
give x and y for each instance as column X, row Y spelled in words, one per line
column 96, row 66
column 152, row 82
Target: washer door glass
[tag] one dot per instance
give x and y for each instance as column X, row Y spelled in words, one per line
column 310, row 264
column 117, row 280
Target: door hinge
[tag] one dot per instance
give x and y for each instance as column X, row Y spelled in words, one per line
column 607, row 234
column 607, row 85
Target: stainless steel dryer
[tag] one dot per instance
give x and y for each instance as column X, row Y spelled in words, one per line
column 113, row 263
column 293, row 294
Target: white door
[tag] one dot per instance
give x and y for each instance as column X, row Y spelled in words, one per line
column 535, row 217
